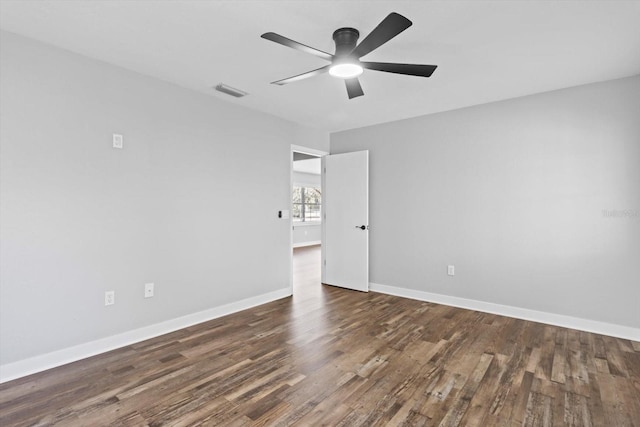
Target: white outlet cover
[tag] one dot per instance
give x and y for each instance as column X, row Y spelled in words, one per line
column 451, row 270
column 118, row 140
column 109, row 297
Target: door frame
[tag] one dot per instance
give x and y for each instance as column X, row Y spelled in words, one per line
column 304, row 150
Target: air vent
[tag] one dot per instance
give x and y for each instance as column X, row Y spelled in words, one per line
column 221, row 87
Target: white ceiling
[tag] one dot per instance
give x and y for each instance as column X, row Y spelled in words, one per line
column 485, row 50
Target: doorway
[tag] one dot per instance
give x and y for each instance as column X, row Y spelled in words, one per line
column 306, row 219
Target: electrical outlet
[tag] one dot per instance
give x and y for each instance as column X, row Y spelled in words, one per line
column 148, row 290
column 109, row 297
column 451, row 270
column 118, row 140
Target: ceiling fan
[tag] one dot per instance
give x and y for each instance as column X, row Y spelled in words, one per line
column 346, row 64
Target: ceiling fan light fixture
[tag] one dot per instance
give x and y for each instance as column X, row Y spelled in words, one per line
column 346, row 70
column 345, row 63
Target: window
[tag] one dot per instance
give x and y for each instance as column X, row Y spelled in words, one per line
column 306, row 204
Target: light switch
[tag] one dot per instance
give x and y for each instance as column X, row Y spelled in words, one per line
column 148, row 290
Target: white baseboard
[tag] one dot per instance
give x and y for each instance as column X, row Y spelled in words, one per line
column 21, row 368
column 312, row 243
column 620, row 331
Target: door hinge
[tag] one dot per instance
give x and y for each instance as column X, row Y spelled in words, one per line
column 325, row 262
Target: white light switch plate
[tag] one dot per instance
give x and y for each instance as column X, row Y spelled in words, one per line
column 451, row 270
column 148, row 290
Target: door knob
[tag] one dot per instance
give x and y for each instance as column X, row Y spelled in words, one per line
column 361, row 227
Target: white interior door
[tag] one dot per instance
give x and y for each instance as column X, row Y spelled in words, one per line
column 345, row 200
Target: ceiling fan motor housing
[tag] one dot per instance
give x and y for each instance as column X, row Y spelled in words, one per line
column 346, row 40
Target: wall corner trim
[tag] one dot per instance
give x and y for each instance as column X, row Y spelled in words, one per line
column 597, row 327
column 32, row 365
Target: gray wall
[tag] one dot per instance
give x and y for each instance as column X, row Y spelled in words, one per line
column 306, row 234
column 512, row 193
column 173, row 207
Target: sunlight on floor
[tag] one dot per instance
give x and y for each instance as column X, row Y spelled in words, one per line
column 308, row 295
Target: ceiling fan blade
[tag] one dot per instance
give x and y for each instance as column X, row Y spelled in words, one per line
column 390, row 27
column 295, row 45
column 409, row 69
column 302, row 76
column 353, row 87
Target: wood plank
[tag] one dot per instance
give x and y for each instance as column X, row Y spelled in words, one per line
column 618, row 409
column 461, row 404
column 539, row 411
column 523, row 394
column 576, row 411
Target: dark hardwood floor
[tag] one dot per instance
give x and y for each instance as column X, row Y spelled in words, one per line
column 329, row 356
